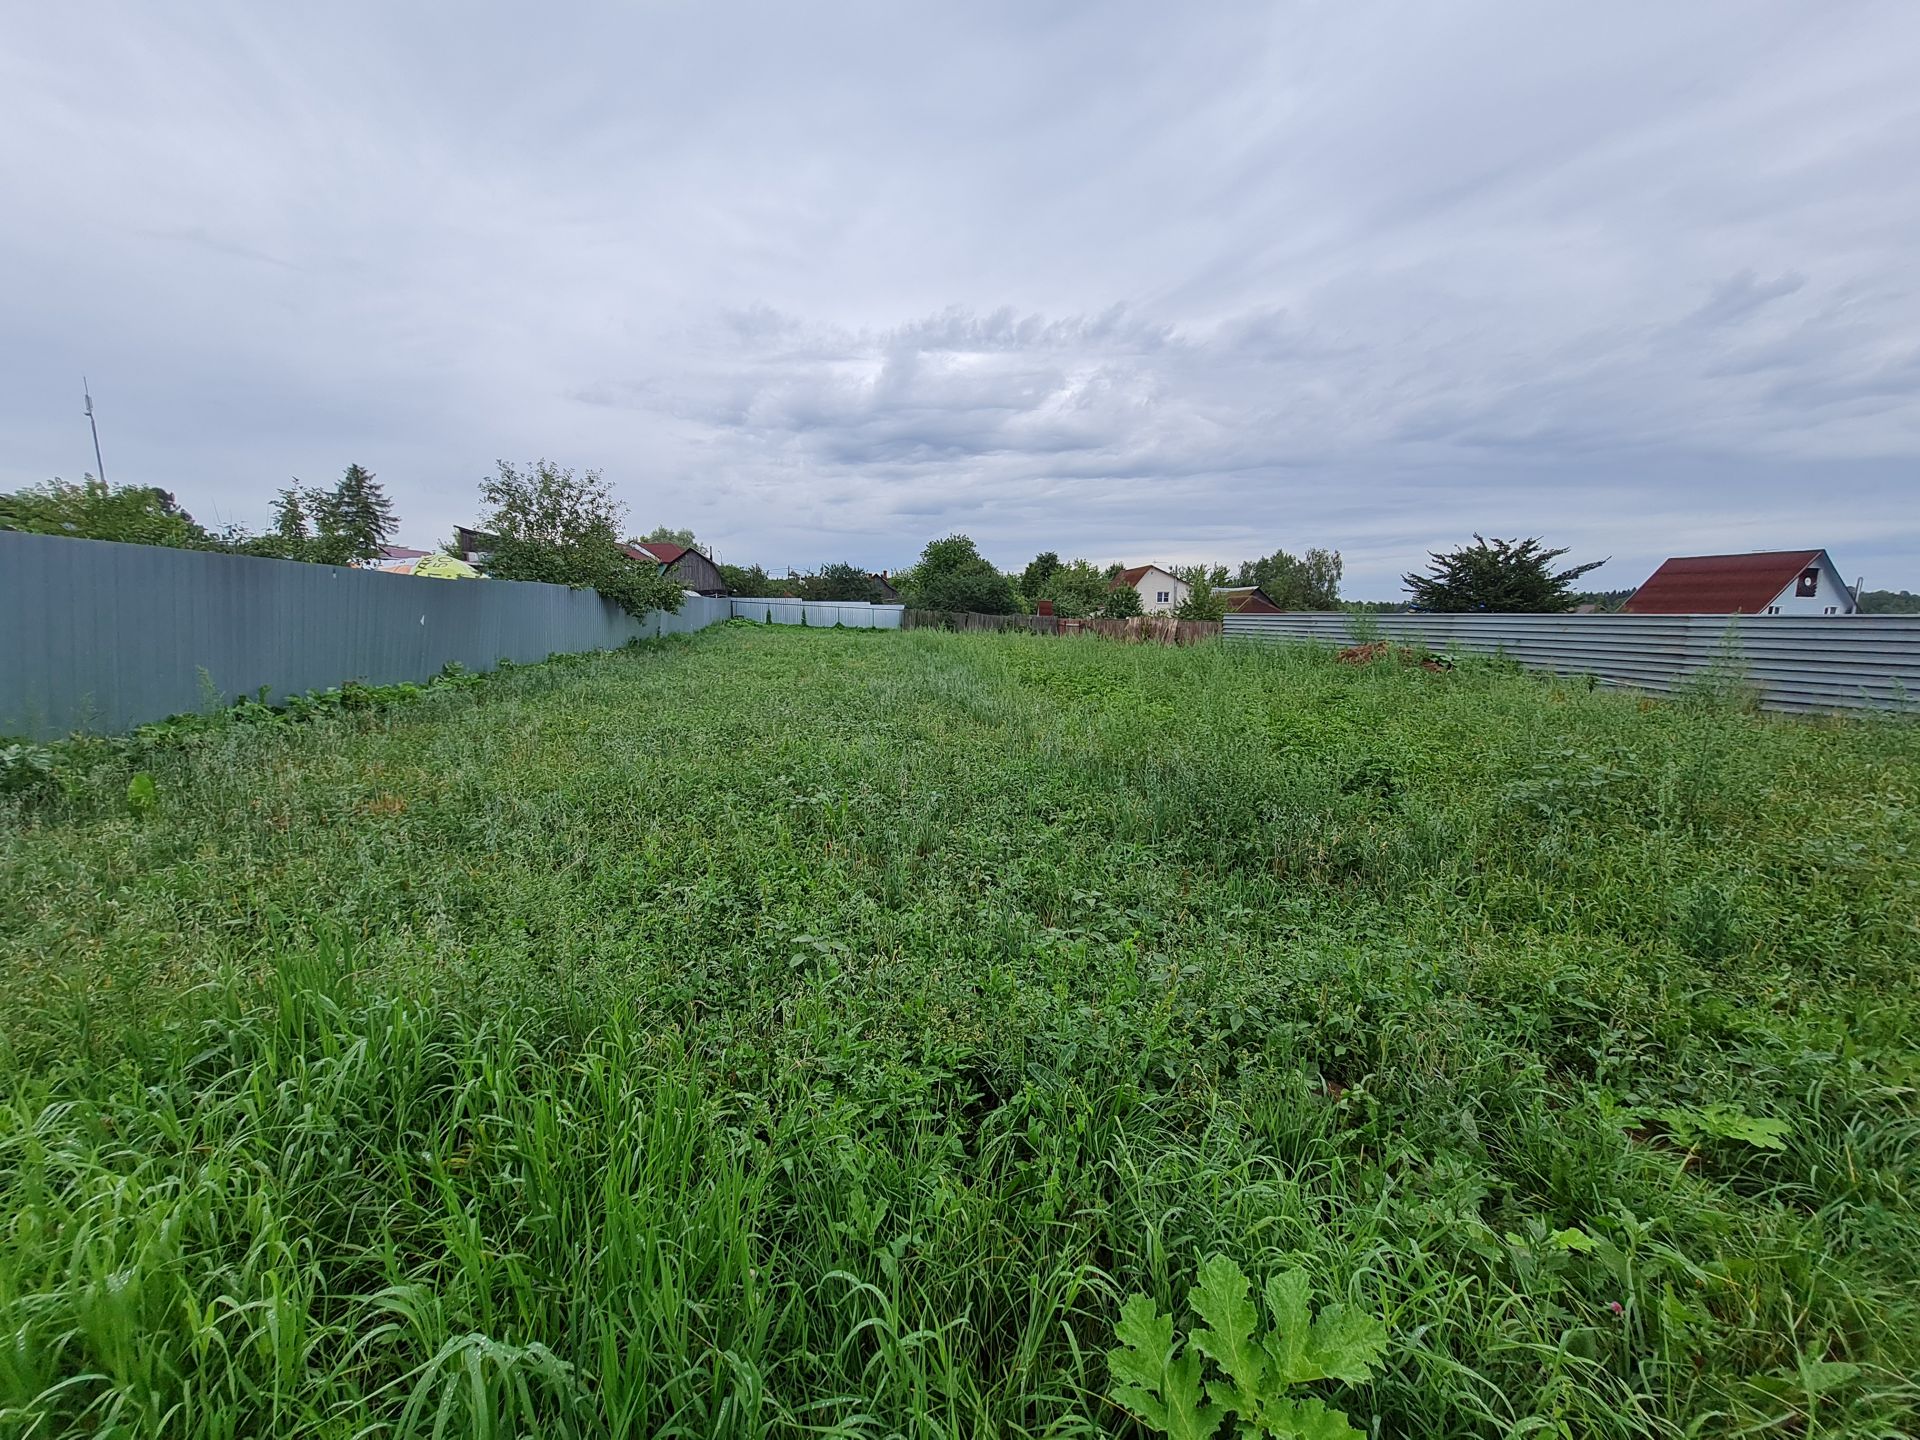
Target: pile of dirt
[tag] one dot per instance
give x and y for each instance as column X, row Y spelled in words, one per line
column 1374, row 650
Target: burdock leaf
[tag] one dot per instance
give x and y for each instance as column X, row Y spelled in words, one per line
column 1223, row 1299
column 1286, row 1342
column 1346, row 1344
column 1161, row 1388
column 1306, row 1419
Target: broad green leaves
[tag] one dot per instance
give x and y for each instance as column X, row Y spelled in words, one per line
column 1162, row 1388
column 1725, row 1122
column 1221, row 1300
column 1162, row 1384
column 1305, row 1419
column 143, row 796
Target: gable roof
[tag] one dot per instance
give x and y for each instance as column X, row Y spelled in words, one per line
column 664, row 551
column 1720, row 584
column 1247, row 600
column 1134, row 574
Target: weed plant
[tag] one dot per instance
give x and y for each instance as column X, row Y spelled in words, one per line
column 828, row 1032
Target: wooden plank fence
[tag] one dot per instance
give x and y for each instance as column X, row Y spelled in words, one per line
column 1140, row 630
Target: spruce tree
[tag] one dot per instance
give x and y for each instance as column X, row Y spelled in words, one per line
column 360, row 514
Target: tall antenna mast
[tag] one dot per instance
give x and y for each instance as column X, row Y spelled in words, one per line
column 99, row 465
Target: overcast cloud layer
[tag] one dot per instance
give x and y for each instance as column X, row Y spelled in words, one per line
column 1135, row 283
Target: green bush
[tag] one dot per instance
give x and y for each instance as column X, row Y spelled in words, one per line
column 547, row 524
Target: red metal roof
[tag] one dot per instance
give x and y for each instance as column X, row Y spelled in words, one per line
column 1132, row 575
column 665, row 551
column 1719, row 584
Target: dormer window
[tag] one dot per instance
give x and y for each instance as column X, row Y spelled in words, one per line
column 1809, row 582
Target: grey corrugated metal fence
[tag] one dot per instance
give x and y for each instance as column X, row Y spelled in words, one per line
column 854, row 614
column 1797, row 662
column 100, row 636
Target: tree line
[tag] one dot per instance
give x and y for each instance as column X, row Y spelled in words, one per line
column 952, row 574
column 342, row 524
column 543, row 522
column 549, row 523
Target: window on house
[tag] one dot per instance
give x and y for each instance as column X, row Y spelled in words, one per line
column 1773, row 609
column 1161, row 598
column 1833, row 609
column 1809, row 582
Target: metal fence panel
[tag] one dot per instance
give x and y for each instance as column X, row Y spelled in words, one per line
column 822, row 614
column 1797, row 662
column 103, row 637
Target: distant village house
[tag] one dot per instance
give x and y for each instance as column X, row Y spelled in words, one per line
column 1768, row 582
column 1247, row 600
column 682, row 564
column 1161, row 591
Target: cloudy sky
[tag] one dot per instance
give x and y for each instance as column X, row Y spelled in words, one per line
column 1134, row 282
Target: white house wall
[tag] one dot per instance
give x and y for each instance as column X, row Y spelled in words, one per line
column 1150, row 587
column 1831, row 592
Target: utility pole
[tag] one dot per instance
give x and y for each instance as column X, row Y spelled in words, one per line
column 99, row 465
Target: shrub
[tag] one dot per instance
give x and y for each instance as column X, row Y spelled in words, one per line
column 550, row 525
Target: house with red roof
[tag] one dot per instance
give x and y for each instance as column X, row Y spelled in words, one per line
column 1765, row 582
column 1161, row 591
column 682, row 564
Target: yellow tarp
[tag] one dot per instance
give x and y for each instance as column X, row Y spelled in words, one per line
column 434, row 567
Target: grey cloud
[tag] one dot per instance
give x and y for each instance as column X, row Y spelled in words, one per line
column 1123, row 280
column 1739, row 296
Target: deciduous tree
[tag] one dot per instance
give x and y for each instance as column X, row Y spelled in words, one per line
column 838, row 582
column 94, row 510
column 550, row 524
column 1294, row 582
column 1200, row 602
column 1077, row 589
column 748, row 580
column 954, row 575
column 1041, row 569
column 670, row 536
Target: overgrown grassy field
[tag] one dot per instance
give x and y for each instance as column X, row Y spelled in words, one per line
column 801, row 1032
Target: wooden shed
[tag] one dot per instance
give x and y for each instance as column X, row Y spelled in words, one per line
column 686, row 566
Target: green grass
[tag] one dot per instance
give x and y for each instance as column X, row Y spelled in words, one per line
column 802, row 1032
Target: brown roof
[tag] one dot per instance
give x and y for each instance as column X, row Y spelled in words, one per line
column 1719, row 584
column 1247, row 600
column 1133, row 574
column 664, row 551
